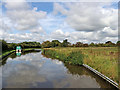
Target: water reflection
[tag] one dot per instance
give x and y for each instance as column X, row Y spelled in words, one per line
column 18, row 53
column 32, row 70
column 25, row 75
column 79, row 70
column 14, row 55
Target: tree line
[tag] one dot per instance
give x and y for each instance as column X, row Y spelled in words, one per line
column 11, row 46
column 65, row 43
column 54, row 43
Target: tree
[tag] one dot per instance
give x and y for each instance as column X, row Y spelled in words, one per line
column 55, row 43
column 92, row 44
column 65, row 43
column 12, row 46
column 73, row 45
column 79, row 44
column 46, row 44
column 118, row 43
column 85, row 45
column 4, row 45
column 109, row 44
column 30, row 45
column 100, row 44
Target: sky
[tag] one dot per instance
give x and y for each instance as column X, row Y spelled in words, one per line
column 76, row 21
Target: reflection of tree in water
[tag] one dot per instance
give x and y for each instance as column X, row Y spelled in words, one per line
column 0, row 52
column 74, row 69
column 27, row 52
column 80, row 70
column 4, row 61
column 103, row 83
column 13, row 55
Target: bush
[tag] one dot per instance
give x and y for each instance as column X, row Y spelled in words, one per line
column 75, row 58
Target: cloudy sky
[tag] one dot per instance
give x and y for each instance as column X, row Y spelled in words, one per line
column 76, row 21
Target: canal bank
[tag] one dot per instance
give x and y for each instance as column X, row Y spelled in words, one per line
column 13, row 51
column 61, row 56
column 6, row 54
column 102, row 76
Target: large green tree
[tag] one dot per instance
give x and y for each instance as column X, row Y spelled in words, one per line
column 65, row 43
column 92, row 44
column 4, row 45
column 46, row 44
column 109, row 44
column 55, row 43
column 118, row 43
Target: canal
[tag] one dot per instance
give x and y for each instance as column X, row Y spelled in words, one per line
column 33, row 70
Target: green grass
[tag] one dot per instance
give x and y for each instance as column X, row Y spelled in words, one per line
column 74, row 57
column 7, row 52
column 103, row 59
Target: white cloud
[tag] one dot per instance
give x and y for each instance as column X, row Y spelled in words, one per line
column 37, row 30
column 90, row 22
column 87, row 16
column 16, row 4
column 109, row 32
column 22, row 16
column 18, row 18
column 5, row 27
column 59, row 35
column 86, row 37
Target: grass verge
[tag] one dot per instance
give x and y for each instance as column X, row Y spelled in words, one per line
column 74, row 58
column 6, row 53
column 102, row 59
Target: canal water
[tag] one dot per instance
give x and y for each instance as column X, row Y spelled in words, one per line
column 33, row 70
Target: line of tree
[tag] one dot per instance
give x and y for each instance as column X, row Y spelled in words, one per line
column 106, row 44
column 11, row 46
column 54, row 43
column 65, row 43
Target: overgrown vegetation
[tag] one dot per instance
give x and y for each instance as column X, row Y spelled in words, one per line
column 103, row 59
column 74, row 58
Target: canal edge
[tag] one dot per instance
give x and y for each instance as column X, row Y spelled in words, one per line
column 6, row 55
column 15, row 51
column 102, row 76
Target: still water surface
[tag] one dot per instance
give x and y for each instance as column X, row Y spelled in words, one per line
column 33, row 70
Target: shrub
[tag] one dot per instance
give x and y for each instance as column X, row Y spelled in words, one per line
column 75, row 58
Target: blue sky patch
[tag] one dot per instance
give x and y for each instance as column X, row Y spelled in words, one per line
column 43, row 6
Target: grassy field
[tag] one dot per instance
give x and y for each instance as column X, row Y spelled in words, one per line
column 103, row 59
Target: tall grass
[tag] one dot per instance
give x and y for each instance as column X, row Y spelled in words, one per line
column 103, row 59
column 74, row 58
